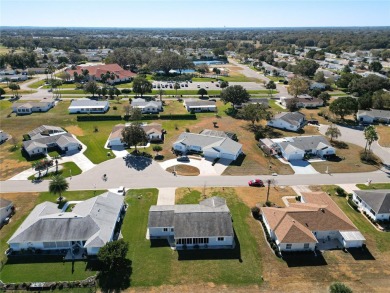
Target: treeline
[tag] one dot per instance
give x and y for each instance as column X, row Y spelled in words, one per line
column 244, row 40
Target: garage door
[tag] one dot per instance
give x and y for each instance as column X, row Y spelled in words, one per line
column 294, row 157
column 211, row 155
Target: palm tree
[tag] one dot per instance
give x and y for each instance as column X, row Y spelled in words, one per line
column 370, row 135
column 58, row 185
column 176, row 87
column 333, row 132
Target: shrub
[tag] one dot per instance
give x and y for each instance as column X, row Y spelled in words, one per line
column 255, row 212
column 26, row 137
column 340, row 192
column 126, row 91
column 339, row 288
column 115, row 108
column 187, row 130
column 268, row 203
column 178, row 117
column 98, row 117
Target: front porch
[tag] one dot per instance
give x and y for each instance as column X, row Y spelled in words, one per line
column 328, row 244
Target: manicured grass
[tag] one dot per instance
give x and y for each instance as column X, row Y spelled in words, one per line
column 5, row 105
column 68, row 169
column 37, row 84
column 374, row 186
column 162, row 263
column 70, row 92
column 275, row 78
column 275, row 106
column 51, row 269
column 210, row 92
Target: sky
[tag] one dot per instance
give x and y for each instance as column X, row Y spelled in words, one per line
column 194, row 14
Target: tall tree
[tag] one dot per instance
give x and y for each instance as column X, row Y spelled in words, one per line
column 270, row 86
column 157, row 149
column 344, row 106
column 14, row 87
column 333, row 132
column 142, row 86
column 306, row 67
column 2, row 92
column 202, row 92
column 375, row 66
column 113, row 254
column 298, row 86
column 236, row 95
column 370, row 135
column 381, row 100
column 58, row 185
column 91, row 87
column 176, row 87
column 133, row 135
column 253, row 113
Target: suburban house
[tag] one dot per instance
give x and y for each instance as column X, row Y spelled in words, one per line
column 153, row 131
column 6, row 209
column 46, row 138
column 292, row 121
column 318, row 85
column 194, row 105
column 373, row 115
column 212, row 146
column 375, row 203
column 88, row 106
column 29, row 107
column 89, row 226
column 147, row 106
column 204, row 225
column 3, row 136
column 95, row 72
column 264, row 102
column 314, row 223
column 295, row 148
column 303, row 102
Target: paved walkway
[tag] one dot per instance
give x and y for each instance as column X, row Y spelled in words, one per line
column 348, row 187
column 205, row 166
column 166, row 196
column 300, row 188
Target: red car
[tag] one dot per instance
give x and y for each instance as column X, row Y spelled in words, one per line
column 256, row 182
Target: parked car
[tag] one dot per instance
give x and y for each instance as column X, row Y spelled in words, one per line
column 256, row 182
column 183, row 159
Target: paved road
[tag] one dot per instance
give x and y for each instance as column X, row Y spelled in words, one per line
column 143, row 173
column 356, row 136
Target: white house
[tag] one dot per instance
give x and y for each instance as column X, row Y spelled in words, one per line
column 310, row 224
column 147, row 106
column 207, row 225
column 89, row 226
column 3, row 136
column 373, row 115
column 193, row 105
column 88, row 106
column 295, row 148
column 376, row 203
column 27, row 108
column 212, row 146
column 153, row 131
column 304, row 101
column 50, row 137
column 6, row 209
column 292, row 121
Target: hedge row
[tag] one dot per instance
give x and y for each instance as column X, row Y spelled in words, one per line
column 98, row 117
column 144, row 117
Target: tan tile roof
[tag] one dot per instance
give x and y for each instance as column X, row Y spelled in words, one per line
column 296, row 223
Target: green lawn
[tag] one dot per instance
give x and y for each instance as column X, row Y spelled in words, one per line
column 37, row 84
column 162, row 264
column 374, row 186
column 209, row 92
column 48, row 268
column 274, row 106
column 68, row 169
column 71, row 92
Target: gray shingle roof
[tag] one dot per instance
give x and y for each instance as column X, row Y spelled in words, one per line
column 209, row 141
column 293, row 118
column 199, row 103
column 4, row 202
column 374, row 113
column 143, row 103
column 44, row 130
column 210, row 217
column 92, row 220
column 378, row 200
column 77, row 103
column 61, row 140
column 305, row 143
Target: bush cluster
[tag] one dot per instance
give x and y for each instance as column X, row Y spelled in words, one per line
column 98, row 117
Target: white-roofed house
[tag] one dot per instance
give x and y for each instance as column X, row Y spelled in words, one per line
column 29, row 107
column 88, row 106
column 147, row 106
column 194, row 105
column 292, row 121
column 373, row 115
column 212, row 146
column 89, row 226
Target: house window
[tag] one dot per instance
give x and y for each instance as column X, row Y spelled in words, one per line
column 221, row 239
column 165, row 229
column 172, row 229
column 288, row 246
column 306, row 245
column 372, row 212
column 359, row 199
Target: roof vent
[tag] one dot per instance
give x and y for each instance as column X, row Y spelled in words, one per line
column 322, row 210
column 306, row 225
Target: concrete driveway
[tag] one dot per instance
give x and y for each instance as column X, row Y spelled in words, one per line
column 166, row 196
column 302, row 167
column 205, row 167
